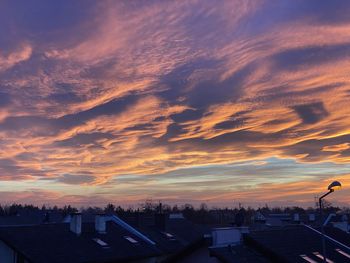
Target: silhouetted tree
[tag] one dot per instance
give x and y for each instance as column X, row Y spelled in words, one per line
column 109, row 209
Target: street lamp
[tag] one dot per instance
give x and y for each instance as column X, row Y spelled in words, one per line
column 331, row 188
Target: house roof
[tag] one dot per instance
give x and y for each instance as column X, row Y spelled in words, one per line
column 185, row 230
column 338, row 235
column 55, row 243
column 237, row 254
column 29, row 217
column 177, row 235
column 297, row 243
column 168, row 244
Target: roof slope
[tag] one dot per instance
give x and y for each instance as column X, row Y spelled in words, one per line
column 237, row 254
column 291, row 243
column 55, row 243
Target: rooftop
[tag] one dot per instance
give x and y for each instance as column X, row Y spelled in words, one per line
column 55, row 243
column 298, row 243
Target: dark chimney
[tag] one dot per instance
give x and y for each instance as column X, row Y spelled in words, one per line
column 161, row 221
column 239, row 218
column 46, row 218
column 137, row 219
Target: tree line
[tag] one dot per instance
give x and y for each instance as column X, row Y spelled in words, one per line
column 202, row 214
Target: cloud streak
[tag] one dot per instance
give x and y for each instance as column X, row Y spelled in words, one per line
column 91, row 91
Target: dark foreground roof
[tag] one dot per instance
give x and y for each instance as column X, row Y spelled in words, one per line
column 55, row 243
column 237, row 254
column 296, row 244
column 179, row 237
column 338, row 235
column 174, row 235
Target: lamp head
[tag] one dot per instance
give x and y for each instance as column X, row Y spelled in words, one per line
column 334, row 186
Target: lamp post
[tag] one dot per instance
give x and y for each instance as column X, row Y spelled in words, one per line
column 331, row 188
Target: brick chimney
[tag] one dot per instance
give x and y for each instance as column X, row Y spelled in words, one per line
column 100, row 223
column 75, row 223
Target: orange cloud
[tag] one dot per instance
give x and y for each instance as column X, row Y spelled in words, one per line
column 336, row 148
column 21, row 54
column 159, row 87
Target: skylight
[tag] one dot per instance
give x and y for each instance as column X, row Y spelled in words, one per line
column 131, row 240
column 317, row 254
column 307, row 259
column 100, row 242
column 343, row 253
column 168, row 235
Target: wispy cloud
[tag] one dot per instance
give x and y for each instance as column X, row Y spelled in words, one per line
column 92, row 90
column 10, row 60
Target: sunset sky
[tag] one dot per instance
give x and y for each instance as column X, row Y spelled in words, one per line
column 181, row 101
